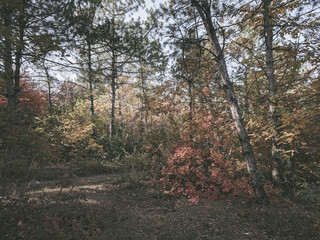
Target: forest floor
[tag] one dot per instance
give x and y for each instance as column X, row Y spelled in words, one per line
column 122, row 206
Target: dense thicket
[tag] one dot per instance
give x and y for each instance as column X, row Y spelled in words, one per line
column 217, row 99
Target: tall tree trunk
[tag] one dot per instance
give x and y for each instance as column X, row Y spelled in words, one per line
column 113, row 96
column 49, row 85
column 91, row 98
column 113, row 75
column 8, row 76
column 268, row 35
column 257, row 184
column 143, row 109
column 190, row 93
column 8, row 58
column 18, row 57
column 12, row 79
column 91, row 86
column 90, row 78
column 190, row 88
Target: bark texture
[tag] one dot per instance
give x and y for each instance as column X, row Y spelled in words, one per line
column 114, row 75
column 90, row 78
column 113, row 94
column 268, row 36
column 204, row 11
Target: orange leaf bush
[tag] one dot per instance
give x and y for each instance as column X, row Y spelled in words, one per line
column 202, row 173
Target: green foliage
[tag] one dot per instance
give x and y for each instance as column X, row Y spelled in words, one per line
column 119, row 146
column 308, row 192
column 91, row 168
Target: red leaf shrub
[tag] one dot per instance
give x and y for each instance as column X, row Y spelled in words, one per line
column 32, row 100
column 197, row 173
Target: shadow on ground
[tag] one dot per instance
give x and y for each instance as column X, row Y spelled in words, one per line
column 117, row 207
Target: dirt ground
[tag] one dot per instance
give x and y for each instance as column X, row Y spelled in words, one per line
column 123, row 206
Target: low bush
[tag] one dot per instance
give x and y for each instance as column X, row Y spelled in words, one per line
column 197, row 173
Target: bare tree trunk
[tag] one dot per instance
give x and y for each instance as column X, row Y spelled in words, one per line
column 113, row 97
column 9, row 79
column 8, row 59
column 90, row 79
column 49, row 85
column 268, row 35
column 205, row 13
column 18, row 58
column 190, row 93
column 113, row 76
column 91, row 98
column 143, row 109
column 12, row 77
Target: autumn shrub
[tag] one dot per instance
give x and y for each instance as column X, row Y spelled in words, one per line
column 73, row 134
column 20, row 145
column 202, row 173
column 157, row 144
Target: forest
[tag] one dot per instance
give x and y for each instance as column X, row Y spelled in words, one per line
column 173, row 119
